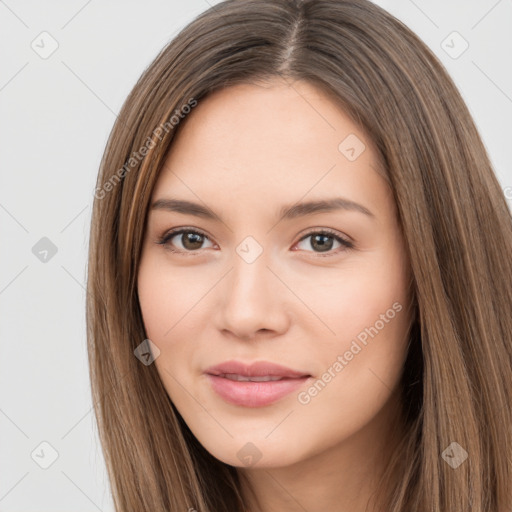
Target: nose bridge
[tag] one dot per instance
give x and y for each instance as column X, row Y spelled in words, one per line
column 251, row 294
column 250, row 276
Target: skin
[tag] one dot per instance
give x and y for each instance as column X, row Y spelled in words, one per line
column 246, row 151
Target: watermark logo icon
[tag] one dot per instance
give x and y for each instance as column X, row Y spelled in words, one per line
column 249, row 249
column 44, row 455
column 454, row 455
column 454, row 45
column 44, row 250
column 351, row 147
column 249, row 454
column 146, row 352
column 45, row 45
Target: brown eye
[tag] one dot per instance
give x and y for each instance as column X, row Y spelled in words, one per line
column 323, row 242
column 190, row 240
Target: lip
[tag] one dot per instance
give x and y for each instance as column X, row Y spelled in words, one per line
column 254, row 394
column 256, row 369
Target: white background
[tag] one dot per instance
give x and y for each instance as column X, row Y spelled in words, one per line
column 56, row 114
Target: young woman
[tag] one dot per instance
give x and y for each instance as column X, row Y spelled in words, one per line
column 299, row 275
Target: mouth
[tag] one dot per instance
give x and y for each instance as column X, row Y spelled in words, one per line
column 256, row 385
column 243, row 378
column 254, row 370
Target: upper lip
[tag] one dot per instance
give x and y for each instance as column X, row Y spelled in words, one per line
column 255, row 369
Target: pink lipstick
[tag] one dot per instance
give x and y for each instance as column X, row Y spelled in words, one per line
column 255, row 385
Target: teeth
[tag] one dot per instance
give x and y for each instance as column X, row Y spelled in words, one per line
column 266, row 378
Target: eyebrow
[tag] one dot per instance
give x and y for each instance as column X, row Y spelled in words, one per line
column 287, row 212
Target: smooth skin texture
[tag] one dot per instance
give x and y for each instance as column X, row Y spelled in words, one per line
column 245, row 152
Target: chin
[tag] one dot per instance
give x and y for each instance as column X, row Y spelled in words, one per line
column 241, row 452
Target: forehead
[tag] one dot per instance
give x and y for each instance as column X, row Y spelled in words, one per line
column 276, row 118
column 278, row 142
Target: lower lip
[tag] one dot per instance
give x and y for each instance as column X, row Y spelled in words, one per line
column 254, row 394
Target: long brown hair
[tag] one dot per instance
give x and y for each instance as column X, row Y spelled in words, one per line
column 457, row 380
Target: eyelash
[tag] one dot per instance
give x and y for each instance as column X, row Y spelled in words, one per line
column 346, row 244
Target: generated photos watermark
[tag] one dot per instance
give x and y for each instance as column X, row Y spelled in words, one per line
column 305, row 397
column 150, row 143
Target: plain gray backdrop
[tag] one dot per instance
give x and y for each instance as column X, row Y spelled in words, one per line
column 65, row 70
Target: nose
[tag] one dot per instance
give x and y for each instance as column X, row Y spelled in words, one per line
column 252, row 301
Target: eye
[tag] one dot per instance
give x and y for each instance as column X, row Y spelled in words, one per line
column 323, row 240
column 190, row 239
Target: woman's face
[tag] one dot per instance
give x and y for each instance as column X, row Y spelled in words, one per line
column 322, row 291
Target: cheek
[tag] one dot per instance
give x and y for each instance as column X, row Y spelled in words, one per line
column 365, row 309
column 370, row 336
column 358, row 369
column 172, row 306
column 355, row 299
column 166, row 298
column 154, row 301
